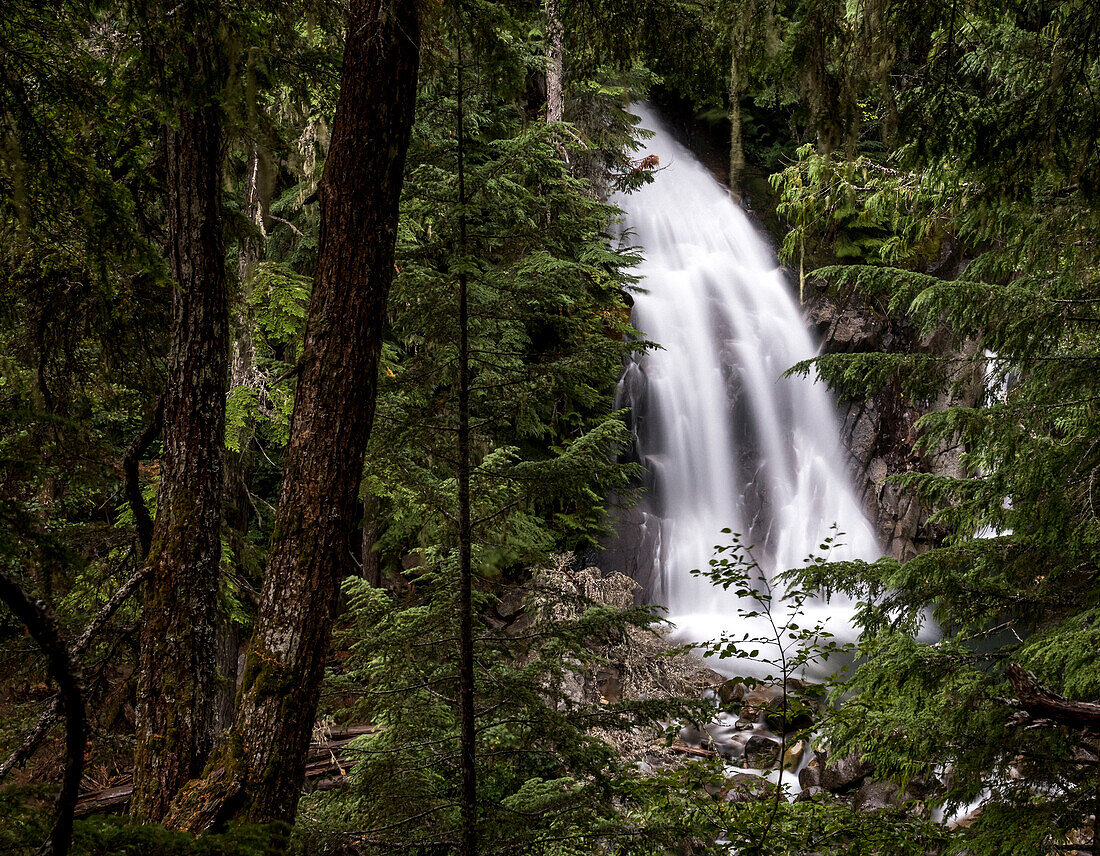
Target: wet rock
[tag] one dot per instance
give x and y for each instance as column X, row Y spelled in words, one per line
column 873, row 796
column 733, row 749
column 732, row 691
column 745, row 787
column 797, row 717
column 792, row 757
column 758, row 700
column 810, row 775
column 761, row 753
column 845, row 774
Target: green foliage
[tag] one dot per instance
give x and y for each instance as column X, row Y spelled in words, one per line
column 548, row 327
column 548, row 780
column 1000, row 168
column 28, row 818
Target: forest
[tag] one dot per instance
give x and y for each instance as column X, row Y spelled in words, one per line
column 566, row 427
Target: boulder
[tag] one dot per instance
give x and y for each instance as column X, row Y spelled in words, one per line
column 792, row 757
column 758, row 700
column 761, row 753
column 873, row 796
column 745, row 787
column 798, row 716
column 846, row 774
column 732, row 691
column 810, row 775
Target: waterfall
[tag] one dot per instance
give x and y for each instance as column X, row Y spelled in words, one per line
column 725, row 440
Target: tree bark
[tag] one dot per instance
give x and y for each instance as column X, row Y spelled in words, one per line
column 258, row 773
column 737, row 151
column 65, row 673
column 1041, row 702
column 555, row 53
column 177, row 683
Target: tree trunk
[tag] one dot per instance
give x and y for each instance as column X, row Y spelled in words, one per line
column 258, row 773
column 555, row 51
column 369, row 558
column 466, row 712
column 243, row 372
column 737, row 151
column 177, row 684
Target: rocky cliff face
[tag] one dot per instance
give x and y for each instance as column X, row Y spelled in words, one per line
column 879, row 434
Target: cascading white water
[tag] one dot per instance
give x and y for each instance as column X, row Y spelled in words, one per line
column 725, row 439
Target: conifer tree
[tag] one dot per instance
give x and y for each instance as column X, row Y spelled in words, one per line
column 998, row 101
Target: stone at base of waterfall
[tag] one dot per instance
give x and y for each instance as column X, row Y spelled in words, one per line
column 845, row 774
column 798, row 717
column 782, row 711
column 732, row 691
column 792, row 757
column 733, row 748
column 873, row 796
column 745, row 787
column 761, row 753
column 759, row 700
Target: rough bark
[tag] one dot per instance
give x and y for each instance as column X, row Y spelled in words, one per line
column 65, row 673
column 258, row 773
column 239, row 461
column 555, row 52
column 177, row 684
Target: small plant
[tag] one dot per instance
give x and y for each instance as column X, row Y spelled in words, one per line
column 786, row 642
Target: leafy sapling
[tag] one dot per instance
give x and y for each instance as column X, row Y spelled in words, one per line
column 780, row 637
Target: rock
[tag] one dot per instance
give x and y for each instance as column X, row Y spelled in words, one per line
column 607, row 679
column 798, row 717
column 745, row 787
column 734, row 748
column 732, row 691
column 761, row 753
column 757, row 700
column 807, row 794
column 845, row 775
column 793, row 756
column 810, row 775
column 873, row 796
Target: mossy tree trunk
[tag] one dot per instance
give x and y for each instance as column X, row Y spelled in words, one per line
column 177, row 683
column 258, row 772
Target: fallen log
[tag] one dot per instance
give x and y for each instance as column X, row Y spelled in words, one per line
column 326, row 767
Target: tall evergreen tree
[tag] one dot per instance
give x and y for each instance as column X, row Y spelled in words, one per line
column 178, row 671
column 258, row 774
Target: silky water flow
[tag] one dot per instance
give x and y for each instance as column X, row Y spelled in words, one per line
column 726, row 441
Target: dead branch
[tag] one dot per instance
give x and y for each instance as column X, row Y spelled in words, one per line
column 52, row 714
column 63, row 670
column 1040, row 701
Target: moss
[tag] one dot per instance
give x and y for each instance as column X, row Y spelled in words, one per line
column 28, row 818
